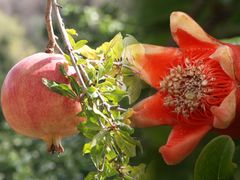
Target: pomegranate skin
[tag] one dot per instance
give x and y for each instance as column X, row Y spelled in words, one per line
column 31, row 109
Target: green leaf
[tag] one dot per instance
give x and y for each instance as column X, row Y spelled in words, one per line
column 92, row 91
column 67, row 57
column 97, row 111
column 110, row 171
column 125, row 127
column 99, row 137
column 134, row 87
column 136, row 172
column 97, row 154
column 108, row 64
column 90, row 127
column 116, row 45
column 91, row 71
column 129, row 40
column 215, row 160
column 234, row 40
column 62, row 89
column 91, row 176
column 87, row 148
column 111, row 51
column 81, row 61
column 95, row 141
column 72, row 41
column 106, row 86
column 113, row 48
column 74, row 85
column 80, row 44
column 63, row 70
column 116, row 95
column 110, row 155
column 126, row 143
column 72, row 32
column 103, row 48
column 88, row 52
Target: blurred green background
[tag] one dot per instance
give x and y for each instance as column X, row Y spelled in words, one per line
column 22, row 32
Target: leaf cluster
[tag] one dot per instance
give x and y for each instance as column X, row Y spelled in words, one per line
column 106, row 124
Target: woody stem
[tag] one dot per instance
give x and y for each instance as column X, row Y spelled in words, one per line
column 48, row 20
column 79, row 71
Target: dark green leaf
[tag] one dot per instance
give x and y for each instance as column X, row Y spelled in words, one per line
column 62, row 89
column 125, row 143
column 74, row 85
column 62, row 70
column 125, row 127
column 90, row 127
column 215, row 160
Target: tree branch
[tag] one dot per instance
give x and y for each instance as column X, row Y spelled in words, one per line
column 81, row 73
column 68, row 46
column 48, row 20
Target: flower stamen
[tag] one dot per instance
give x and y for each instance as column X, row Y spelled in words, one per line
column 185, row 86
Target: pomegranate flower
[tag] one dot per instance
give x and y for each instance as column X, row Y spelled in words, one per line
column 197, row 86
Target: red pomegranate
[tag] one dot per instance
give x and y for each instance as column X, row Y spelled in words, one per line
column 31, row 109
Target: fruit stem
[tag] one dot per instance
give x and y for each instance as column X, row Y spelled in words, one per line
column 50, row 31
column 52, row 43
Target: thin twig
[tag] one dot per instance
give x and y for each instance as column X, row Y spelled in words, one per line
column 59, row 49
column 84, row 75
column 108, row 108
column 68, row 45
column 81, row 73
column 50, row 31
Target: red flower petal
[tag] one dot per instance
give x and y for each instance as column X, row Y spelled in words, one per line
column 181, row 142
column 236, row 59
column 152, row 62
column 188, row 34
column 152, row 112
column 234, row 129
column 197, row 86
column 225, row 113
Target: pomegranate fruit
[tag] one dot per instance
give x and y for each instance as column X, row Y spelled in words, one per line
column 31, row 109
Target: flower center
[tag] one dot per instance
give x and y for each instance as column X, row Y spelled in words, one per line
column 185, row 85
column 192, row 87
